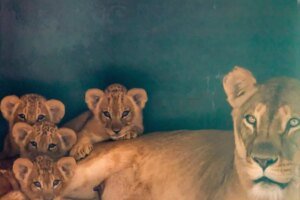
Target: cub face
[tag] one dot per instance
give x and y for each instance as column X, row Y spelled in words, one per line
column 43, row 138
column 117, row 109
column 31, row 108
column 43, row 178
column 267, row 133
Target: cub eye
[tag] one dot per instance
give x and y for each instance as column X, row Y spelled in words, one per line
column 37, row 184
column 106, row 114
column 250, row 119
column 22, row 117
column 294, row 122
column 56, row 183
column 33, row 144
column 41, row 118
column 51, row 146
column 125, row 113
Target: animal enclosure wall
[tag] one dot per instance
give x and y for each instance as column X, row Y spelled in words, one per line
column 177, row 50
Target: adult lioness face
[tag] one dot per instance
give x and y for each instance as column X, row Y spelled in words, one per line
column 267, row 133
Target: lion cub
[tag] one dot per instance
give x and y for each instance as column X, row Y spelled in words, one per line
column 41, row 179
column 117, row 114
column 43, row 138
column 29, row 108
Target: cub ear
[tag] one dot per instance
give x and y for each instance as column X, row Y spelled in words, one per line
column 67, row 137
column 20, row 131
column 56, row 109
column 139, row 96
column 22, row 168
column 66, row 166
column 92, row 98
column 239, row 85
column 8, row 105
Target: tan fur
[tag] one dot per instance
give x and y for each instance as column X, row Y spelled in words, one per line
column 79, row 122
column 29, row 108
column 8, row 182
column 165, row 165
column 5, row 185
column 206, row 165
column 43, row 138
column 117, row 114
column 43, row 178
column 14, row 195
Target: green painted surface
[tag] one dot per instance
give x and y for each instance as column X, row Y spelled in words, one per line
column 177, row 50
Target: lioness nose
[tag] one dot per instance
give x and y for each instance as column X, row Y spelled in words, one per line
column 264, row 163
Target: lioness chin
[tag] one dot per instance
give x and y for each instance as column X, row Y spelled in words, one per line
column 258, row 161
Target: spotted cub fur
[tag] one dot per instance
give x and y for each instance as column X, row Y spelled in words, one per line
column 117, row 114
column 41, row 179
column 29, row 108
column 43, row 138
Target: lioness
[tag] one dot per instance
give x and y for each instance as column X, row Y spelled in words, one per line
column 258, row 161
column 29, row 108
column 116, row 114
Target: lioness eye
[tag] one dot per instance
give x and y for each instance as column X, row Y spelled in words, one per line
column 125, row 113
column 34, row 144
column 294, row 122
column 51, row 146
column 22, row 117
column 56, row 182
column 37, row 184
column 250, row 119
column 106, row 114
column 41, row 118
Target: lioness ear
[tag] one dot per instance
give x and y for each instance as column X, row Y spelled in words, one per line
column 139, row 96
column 8, row 105
column 57, row 110
column 22, row 168
column 67, row 137
column 239, row 85
column 20, row 131
column 92, row 98
column 66, row 166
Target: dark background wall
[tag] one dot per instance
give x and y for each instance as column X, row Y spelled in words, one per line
column 178, row 50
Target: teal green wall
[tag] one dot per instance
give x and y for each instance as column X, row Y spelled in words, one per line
column 178, row 50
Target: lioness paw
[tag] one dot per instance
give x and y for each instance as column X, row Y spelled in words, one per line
column 82, row 150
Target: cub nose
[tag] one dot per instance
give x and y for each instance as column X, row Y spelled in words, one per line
column 117, row 130
column 30, row 122
column 48, row 198
column 264, row 163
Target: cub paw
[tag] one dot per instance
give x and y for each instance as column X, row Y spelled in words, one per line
column 81, row 150
column 129, row 135
column 14, row 195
